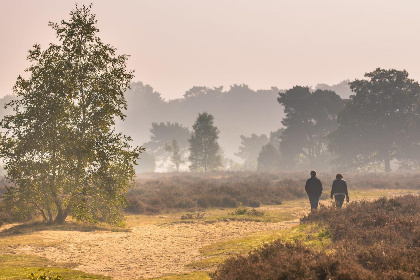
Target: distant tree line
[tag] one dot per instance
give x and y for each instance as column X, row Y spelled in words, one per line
column 377, row 125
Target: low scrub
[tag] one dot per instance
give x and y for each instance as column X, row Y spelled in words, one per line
column 192, row 192
column 157, row 193
column 371, row 240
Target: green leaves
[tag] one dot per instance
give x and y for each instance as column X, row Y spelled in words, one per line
column 60, row 148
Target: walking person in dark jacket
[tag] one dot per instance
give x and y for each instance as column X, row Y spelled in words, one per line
column 339, row 191
column 313, row 188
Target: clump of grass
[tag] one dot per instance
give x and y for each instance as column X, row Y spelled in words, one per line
column 44, row 276
column 191, row 216
column 241, row 211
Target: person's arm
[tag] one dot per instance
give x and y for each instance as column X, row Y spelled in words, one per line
column 320, row 187
column 332, row 190
column 347, row 192
column 307, row 186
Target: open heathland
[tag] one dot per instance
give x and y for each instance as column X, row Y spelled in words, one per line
column 188, row 243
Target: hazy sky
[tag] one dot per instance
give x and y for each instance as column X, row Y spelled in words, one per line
column 177, row 44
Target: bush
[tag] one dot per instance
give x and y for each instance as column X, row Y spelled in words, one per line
column 134, row 206
column 281, row 260
column 254, row 203
column 229, row 202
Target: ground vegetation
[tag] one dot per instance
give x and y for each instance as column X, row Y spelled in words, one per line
column 370, row 240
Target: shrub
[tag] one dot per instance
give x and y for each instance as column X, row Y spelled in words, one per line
column 254, row 204
column 281, row 260
column 134, row 206
column 229, row 202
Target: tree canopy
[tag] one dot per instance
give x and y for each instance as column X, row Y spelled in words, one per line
column 60, row 148
column 309, row 118
column 163, row 135
column 176, row 156
column 250, row 148
column 269, row 159
column 380, row 122
column 204, row 148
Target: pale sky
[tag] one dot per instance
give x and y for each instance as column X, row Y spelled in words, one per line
column 177, row 44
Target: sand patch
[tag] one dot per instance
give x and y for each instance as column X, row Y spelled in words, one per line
column 146, row 251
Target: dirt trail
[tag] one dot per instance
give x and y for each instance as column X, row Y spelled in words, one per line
column 146, row 251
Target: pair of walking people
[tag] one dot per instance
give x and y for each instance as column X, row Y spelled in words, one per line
column 339, row 190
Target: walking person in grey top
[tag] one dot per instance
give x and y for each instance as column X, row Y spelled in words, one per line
column 313, row 188
column 339, row 191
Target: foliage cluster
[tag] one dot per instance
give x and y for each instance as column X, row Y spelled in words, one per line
column 371, row 240
column 310, row 117
column 380, row 123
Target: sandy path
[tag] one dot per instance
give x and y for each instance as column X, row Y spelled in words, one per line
column 146, row 251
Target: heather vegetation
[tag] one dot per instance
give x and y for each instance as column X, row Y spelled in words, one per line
column 370, row 240
column 159, row 193
column 200, row 191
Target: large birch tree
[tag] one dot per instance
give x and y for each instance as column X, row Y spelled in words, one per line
column 60, row 149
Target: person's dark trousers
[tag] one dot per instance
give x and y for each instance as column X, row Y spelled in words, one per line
column 314, row 200
column 339, row 199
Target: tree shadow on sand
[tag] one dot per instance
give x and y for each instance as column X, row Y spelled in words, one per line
column 28, row 228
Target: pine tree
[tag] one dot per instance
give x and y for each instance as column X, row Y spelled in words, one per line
column 204, row 149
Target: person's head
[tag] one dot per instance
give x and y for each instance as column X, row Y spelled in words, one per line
column 339, row 176
column 313, row 173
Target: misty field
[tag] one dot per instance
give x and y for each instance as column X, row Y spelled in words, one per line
column 198, row 226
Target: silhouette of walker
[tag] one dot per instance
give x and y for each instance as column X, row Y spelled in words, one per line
column 339, row 190
column 313, row 188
